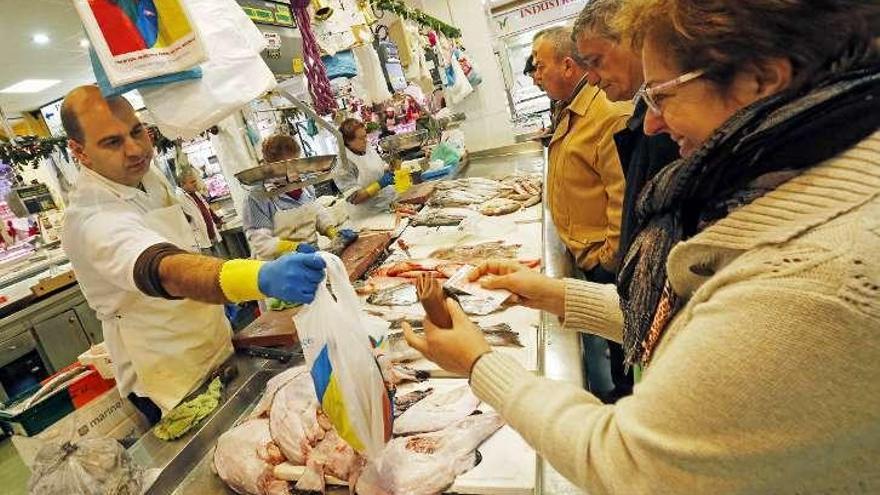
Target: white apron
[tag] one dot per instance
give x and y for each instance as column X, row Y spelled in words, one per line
column 173, row 345
column 298, row 224
column 371, row 168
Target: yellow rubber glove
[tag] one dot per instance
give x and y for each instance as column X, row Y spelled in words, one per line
column 373, row 189
column 240, row 280
column 285, row 246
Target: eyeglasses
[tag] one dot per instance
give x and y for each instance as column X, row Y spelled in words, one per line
column 650, row 94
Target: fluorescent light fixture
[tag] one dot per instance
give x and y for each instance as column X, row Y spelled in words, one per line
column 30, row 86
column 41, row 39
column 83, row 43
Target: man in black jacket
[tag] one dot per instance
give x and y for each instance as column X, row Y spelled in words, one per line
column 617, row 70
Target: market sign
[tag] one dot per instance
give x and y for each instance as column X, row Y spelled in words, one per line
column 267, row 12
column 535, row 14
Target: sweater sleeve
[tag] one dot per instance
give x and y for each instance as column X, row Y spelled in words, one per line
column 709, row 417
column 593, row 308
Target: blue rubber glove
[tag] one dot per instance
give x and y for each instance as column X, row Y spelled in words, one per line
column 306, row 248
column 348, row 235
column 292, row 278
column 386, row 179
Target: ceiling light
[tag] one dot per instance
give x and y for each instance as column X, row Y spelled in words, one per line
column 41, row 39
column 83, row 43
column 30, row 86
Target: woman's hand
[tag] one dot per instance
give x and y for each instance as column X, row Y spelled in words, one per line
column 529, row 287
column 454, row 349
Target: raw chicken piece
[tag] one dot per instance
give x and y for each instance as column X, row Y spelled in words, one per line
column 293, row 419
column 244, row 459
column 306, row 437
column 437, row 411
column 428, row 464
column 261, row 410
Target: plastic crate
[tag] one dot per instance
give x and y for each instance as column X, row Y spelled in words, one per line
column 41, row 415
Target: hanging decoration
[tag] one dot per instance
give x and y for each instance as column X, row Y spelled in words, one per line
column 419, row 17
column 316, row 74
column 28, row 151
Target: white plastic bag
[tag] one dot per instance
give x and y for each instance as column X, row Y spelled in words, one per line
column 93, row 466
column 457, row 86
column 335, row 335
column 234, row 74
column 140, row 40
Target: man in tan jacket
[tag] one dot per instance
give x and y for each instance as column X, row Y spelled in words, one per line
column 585, row 180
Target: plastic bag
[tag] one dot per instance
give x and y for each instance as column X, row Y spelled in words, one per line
column 94, row 466
column 335, row 335
column 457, row 85
column 468, row 67
column 234, row 74
column 342, row 64
column 140, row 40
column 109, row 90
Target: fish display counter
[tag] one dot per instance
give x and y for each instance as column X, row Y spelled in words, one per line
column 267, row 436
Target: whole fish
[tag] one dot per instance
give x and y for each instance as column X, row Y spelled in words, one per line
column 437, row 411
column 405, row 401
column 474, row 253
column 436, row 219
column 402, row 294
column 499, row 206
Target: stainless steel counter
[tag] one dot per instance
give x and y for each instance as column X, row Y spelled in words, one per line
column 185, row 463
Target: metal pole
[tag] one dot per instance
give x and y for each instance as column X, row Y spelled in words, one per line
column 285, row 90
column 7, row 129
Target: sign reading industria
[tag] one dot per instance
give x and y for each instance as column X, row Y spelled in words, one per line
column 535, row 14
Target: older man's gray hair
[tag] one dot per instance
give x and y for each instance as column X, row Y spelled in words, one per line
column 560, row 38
column 597, row 18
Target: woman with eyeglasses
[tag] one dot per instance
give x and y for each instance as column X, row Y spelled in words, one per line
column 750, row 297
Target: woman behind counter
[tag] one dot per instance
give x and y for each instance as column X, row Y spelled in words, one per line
column 276, row 224
column 368, row 179
column 751, row 294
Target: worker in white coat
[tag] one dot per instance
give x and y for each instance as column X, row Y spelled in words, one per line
column 276, row 224
column 204, row 222
column 135, row 258
column 367, row 180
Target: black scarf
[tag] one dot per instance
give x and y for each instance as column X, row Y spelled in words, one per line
column 761, row 146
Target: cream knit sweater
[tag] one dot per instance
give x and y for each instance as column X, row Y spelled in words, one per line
column 767, row 381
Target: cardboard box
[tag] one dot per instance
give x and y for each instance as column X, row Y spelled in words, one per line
column 106, row 416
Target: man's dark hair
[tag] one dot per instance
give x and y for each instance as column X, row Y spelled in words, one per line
column 70, row 122
column 529, row 69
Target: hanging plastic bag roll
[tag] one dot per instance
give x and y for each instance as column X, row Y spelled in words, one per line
column 335, row 335
column 141, row 40
column 233, row 75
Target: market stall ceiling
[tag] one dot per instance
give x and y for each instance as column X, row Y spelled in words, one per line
column 63, row 57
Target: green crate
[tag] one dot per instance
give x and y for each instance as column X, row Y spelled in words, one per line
column 41, row 415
